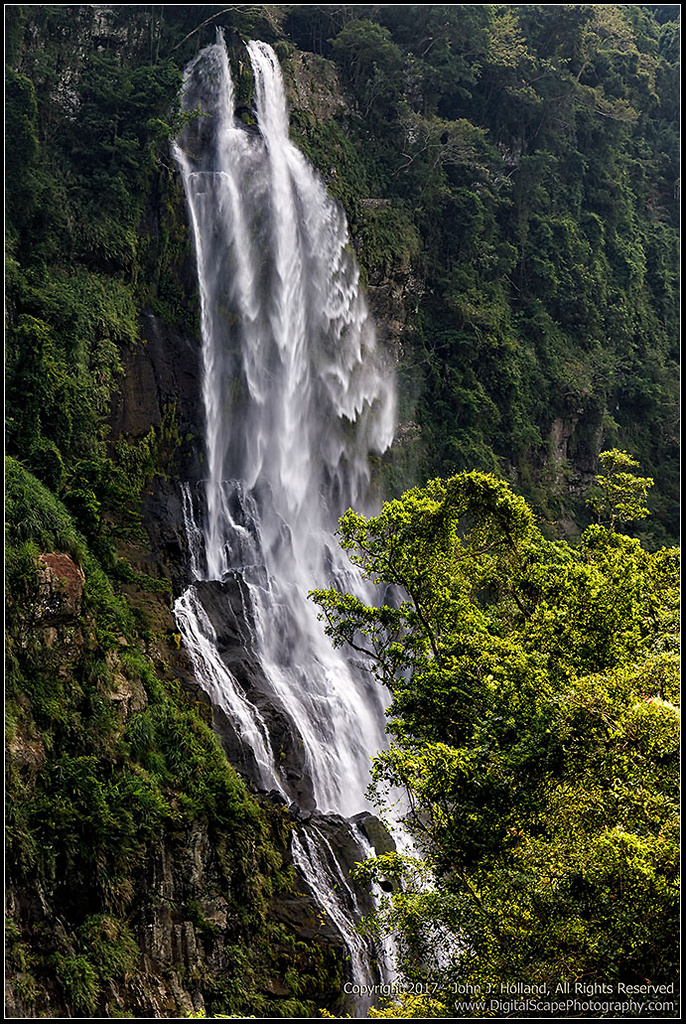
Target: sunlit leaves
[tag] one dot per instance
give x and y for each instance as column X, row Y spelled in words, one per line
column 534, row 733
column 622, row 494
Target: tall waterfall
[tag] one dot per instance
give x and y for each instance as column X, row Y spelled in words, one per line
column 296, row 397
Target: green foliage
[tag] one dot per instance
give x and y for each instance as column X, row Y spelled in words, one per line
column 34, row 514
column 533, row 153
column 63, row 359
column 517, row 167
column 622, row 494
column 109, row 792
column 20, row 123
column 110, row 947
column 372, row 63
column 408, row 1005
column 535, row 737
column 79, row 979
column 80, row 248
column 46, row 463
column 387, row 241
column 444, row 545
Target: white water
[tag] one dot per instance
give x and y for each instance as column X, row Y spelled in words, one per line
column 296, row 397
column 314, row 857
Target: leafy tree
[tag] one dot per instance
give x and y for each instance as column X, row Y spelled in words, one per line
column 621, row 494
column 535, row 738
column 372, row 63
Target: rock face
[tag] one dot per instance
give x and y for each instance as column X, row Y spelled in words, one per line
column 188, row 928
column 162, row 387
column 376, row 832
column 314, row 86
column 164, row 369
column 228, row 606
column 60, row 589
column 185, row 925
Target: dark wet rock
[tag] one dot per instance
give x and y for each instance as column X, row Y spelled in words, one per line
column 333, row 845
column 238, row 753
column 341, row 839
column 163, row 370
column 274, row 796
column 162, row 385
column 229, row 607
column 328, row 905
column 376, row 832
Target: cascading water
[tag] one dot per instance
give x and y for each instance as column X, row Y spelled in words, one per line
column 296, row 397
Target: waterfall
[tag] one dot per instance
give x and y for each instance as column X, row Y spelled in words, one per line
column 296, row 397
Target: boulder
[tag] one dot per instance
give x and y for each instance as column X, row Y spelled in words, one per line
column 60, row 589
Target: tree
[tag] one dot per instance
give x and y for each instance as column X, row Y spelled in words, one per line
column 372, row 63
column 535, row 727
column 620, row 494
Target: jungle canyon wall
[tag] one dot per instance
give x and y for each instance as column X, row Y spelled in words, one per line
column 509, row 184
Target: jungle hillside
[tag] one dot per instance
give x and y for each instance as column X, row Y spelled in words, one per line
column 510, row 177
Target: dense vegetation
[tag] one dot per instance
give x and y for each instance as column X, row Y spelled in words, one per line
column 512, row 170
column 536, row 730
column 526, row 159
column 112, row 773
